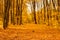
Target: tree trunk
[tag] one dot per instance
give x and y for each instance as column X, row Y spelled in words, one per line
column 13, row 20
column 34, row 12
column 21, row 4
column 44, row 3
column 6, row 13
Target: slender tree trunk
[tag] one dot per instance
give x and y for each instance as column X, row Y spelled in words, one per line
column 6, row 13
column 17, row 6
column 38, row 13
column 53, row 1
column 11, row 12
column 47, row 5
column 58, row 18
column 41, row 13
column 34, row 12
column 13, row 20
column 11, row 17
column 21, row 6
column 44, row 3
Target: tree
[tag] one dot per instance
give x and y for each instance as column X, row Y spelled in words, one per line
column 21, row 6
column 34, row 12
column 17, row 10
column 48, row 5
column 6, row 13
column 54, row 4
column 13, row 20
column 58, row 17
column 44, row 3
column 11, row 17
column 38, row 5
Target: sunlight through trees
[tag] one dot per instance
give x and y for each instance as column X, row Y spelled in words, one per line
column 19, row 12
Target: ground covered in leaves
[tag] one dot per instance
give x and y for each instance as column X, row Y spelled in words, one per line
column 30, row 32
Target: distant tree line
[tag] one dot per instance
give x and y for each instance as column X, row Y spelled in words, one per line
column 19, row 10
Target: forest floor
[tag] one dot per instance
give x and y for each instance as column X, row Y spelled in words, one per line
column 30, row 32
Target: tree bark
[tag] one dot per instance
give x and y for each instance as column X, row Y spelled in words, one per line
column 6, row 13
column 21, row 6
column 34, row 12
